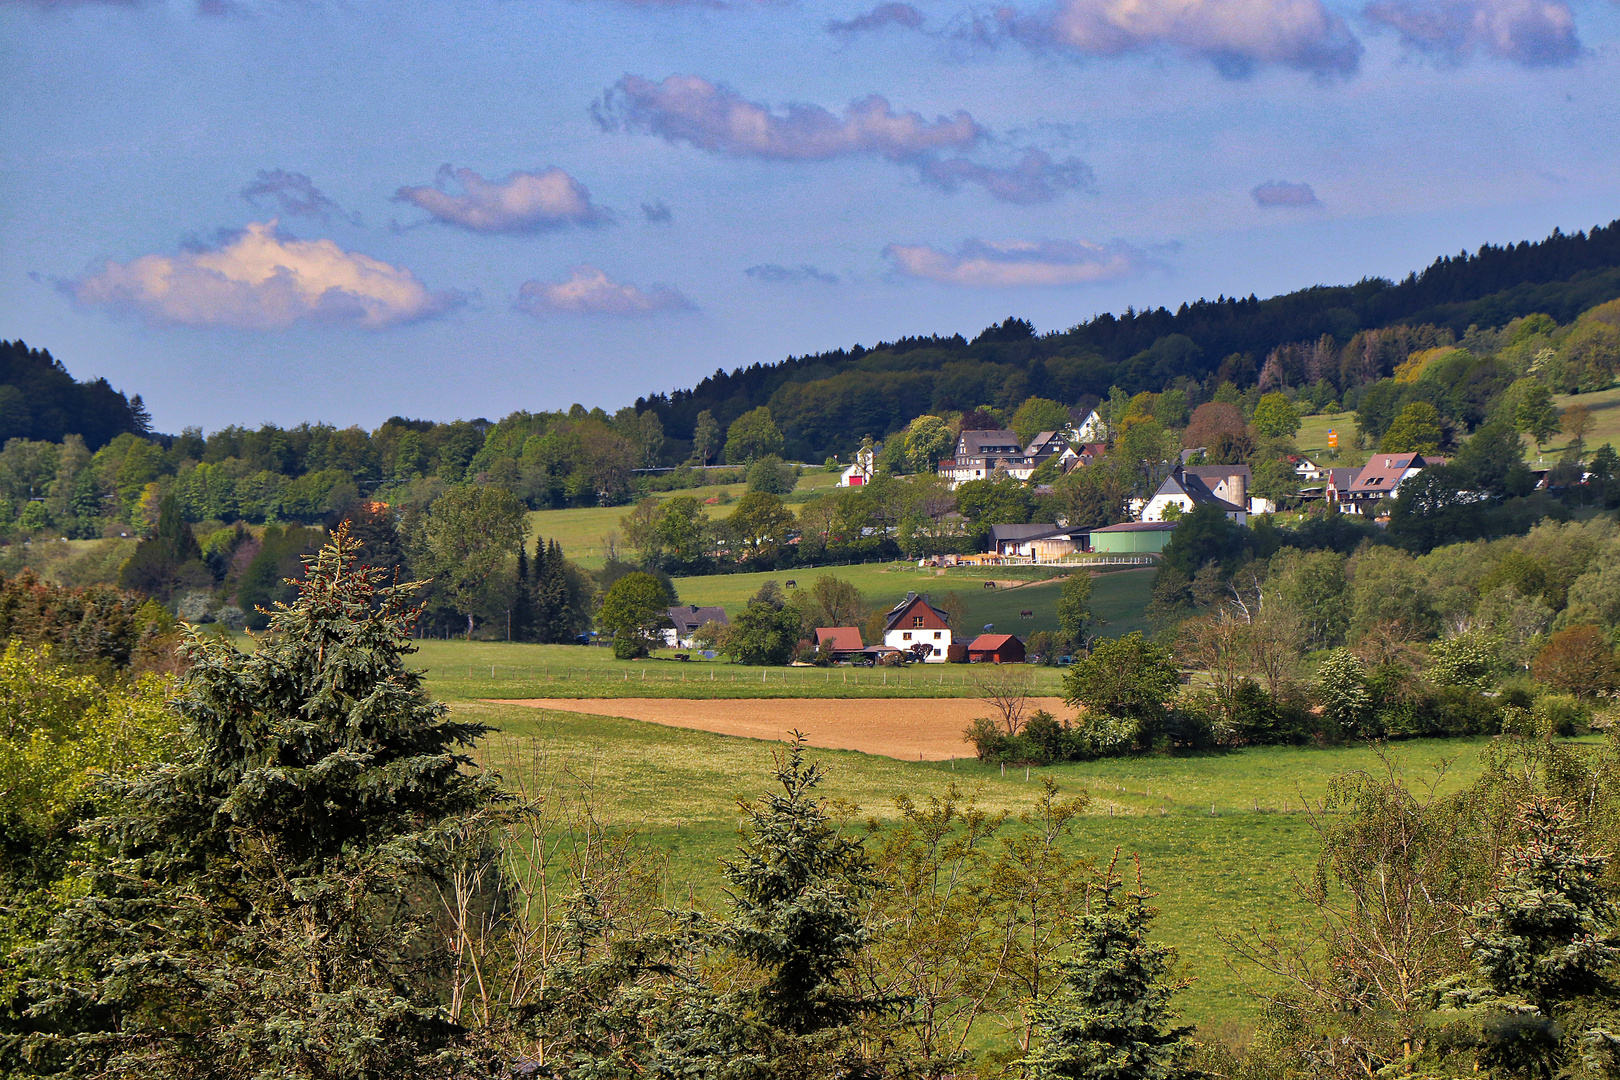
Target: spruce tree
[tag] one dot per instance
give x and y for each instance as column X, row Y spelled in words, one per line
column 797, row 893
column 1110, row 1019
column 261, row 907
column 1544, row 947
column 523, row 600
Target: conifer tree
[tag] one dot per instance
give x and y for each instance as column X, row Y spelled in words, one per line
column 1109, row 1021
column 260, row 907
column 523, row 600
column 796, row 921
column 1544, row 947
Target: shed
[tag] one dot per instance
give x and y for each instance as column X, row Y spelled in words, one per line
column 841, row 641
column 995, row 649
column 1132, row 538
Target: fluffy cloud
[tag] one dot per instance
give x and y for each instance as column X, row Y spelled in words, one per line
column 589, row 291
column 657, row 213
column 263, row 281
column 295, row 195
column 524, row 202
column 987, row 264
column 1236, row 35
column 777, row 274
column 1283, row 193
column 715, row 118
column 1535, row 33
column 881, row 16
column 1036, row 178
column 689, row 109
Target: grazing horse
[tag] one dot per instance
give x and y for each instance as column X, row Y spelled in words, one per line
column 989, row 584
column 792, row 584
column 1026, row 614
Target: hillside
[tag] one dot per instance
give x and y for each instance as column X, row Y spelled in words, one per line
column 827, row 402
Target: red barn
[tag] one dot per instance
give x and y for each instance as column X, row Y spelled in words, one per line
column 995, row 649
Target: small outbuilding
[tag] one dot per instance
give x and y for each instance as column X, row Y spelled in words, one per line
column 843, row 642
column 995, row 649
column 1132, row 538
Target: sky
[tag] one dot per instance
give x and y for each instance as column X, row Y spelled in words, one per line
column 290, row 210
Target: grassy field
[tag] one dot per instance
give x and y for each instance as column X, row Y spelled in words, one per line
column 583, row 531
column 1312, row 439
column 1118, row 597
column 459, row 670
column 1219, row 835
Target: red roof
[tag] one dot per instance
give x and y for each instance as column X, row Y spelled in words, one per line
column 990, row 642
column 839, row 638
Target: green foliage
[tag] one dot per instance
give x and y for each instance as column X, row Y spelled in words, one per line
column 1204, row 536
column 1533, row 411
column 1341, row 690
column 1416, row 430
column 1073, row 607
column 558, row 601
column 634, row 609
column 760, row 527
column 705, row 438
column 766, row 632
column 771, row 475
column 1111, row 1019
column 1471, row 659
column 464, row 546
column 303, row 821
column 927, row 440
column 1275, row 417
column 751, row 436
column 1127, row 683
column 168, row 562
column 1037, row 415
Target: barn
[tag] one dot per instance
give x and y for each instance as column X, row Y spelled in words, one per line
column 995, row 649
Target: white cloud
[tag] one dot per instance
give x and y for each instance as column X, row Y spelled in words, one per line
column 693, row 110
column 263, row 281
column 524, row 202
column 1535, row 33
column 1235, row 35
column 589, row 291
column 988, row 264
column 1284, row 193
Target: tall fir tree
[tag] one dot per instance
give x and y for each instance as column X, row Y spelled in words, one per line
column 262, row 906
column 1111, row 1018
column 523, row 601
column 1545, row 945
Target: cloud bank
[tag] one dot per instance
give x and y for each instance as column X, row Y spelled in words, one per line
column 295, row 195
column 1283, row 193
column 1535, row 33
column 524, row 202
column 1237, row 36
column 262, row 281
column 714, row 118
column 589, row 291
column 989, row 264
column 776, row 274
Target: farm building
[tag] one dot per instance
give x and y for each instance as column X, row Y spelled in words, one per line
column 1132, row 538
column 687, row 618
column 915, row 625
column 995, row 649
column 843, row 642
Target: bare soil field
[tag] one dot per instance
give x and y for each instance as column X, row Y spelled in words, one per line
column 910, row 729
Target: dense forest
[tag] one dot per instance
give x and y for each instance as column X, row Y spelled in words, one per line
column 825, row 403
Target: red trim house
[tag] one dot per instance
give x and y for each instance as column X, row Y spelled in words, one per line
column 995, row 649
column 913, row 624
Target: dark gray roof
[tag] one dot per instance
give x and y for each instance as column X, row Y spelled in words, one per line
column 998, row 533
column 689, row 617
column 972, row 443
column 1188, row 483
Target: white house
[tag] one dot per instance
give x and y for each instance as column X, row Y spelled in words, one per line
column 1089, row 430
column 860, row 473
column 687, row 618
column 916, row 626
column 1187, row 490
column 978, row 453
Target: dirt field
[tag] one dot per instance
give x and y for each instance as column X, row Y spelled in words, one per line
column 912, row 729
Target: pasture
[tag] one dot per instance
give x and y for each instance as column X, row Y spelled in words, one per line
column 1220, row 835
column 583, row 531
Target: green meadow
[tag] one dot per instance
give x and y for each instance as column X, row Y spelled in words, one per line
column 1220, row 835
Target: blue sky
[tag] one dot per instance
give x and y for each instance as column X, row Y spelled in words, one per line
column 286, row 210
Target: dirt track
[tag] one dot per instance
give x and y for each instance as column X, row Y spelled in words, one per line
column 911, row 729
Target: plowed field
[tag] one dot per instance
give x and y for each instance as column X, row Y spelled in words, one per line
column 911, row 729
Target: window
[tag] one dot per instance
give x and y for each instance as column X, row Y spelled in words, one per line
column 936, row 638
column 906, row 636
column 936, row 652
column 917, row 621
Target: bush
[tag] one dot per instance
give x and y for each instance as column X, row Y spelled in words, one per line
column 1560, row 715
column 628, row 647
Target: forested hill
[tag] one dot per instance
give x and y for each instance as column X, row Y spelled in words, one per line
column 40, row 400
column 825, row 403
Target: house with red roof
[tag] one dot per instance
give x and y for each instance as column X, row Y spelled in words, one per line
column 995, row 649
column 918, row 627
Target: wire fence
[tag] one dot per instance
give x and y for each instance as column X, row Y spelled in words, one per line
column 932, row 677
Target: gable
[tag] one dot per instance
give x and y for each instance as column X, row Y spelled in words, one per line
column 906, row 615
